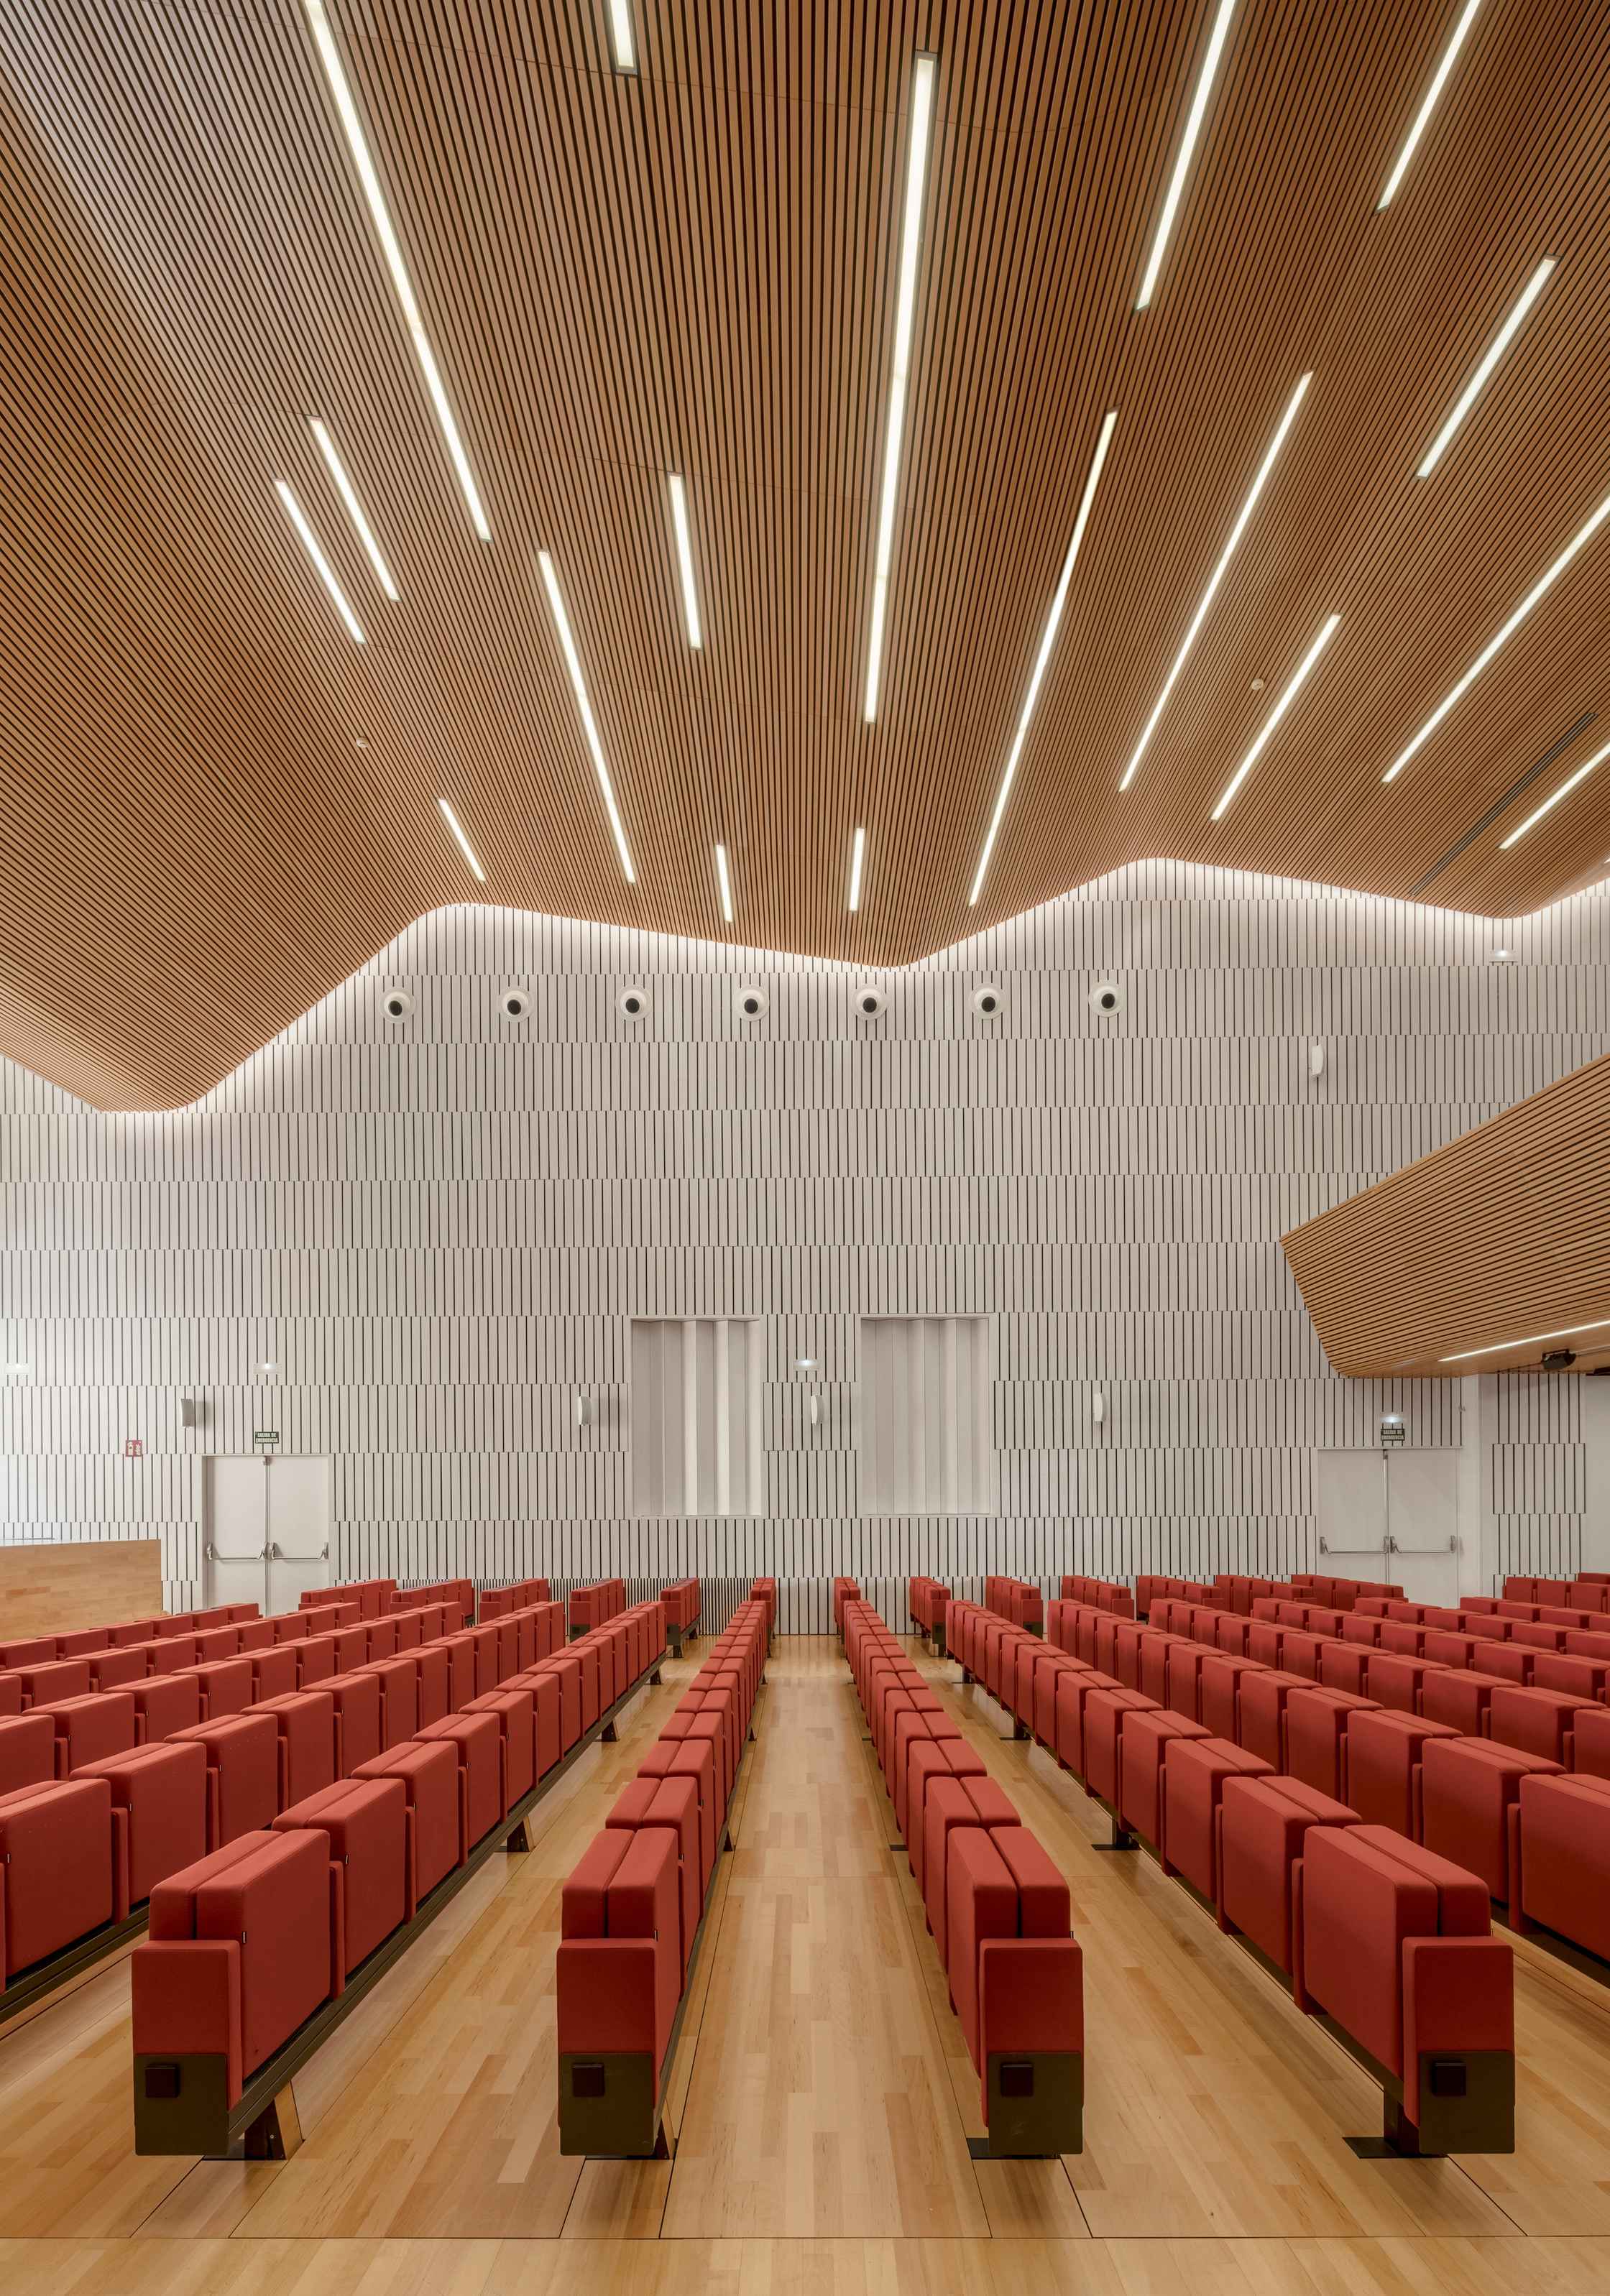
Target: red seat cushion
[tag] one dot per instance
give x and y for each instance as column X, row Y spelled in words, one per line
column 55, row 1869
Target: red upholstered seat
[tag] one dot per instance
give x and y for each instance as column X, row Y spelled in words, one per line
column 1458, row 1697
column 239, row 1954
column 477, row 1743
column 164, row 1703
column 1106, row 1714
column 159, row 1815
column 1316, row 1722
column 1539, row 1721
column 1186, row 1662
column 399, row 1680
column 1384, row 1753
column 1261, row 1701
column 304, row 1720
column 673, row 1759
column 515, row 1710
column 1590, row 1743
column 1194, row 1773
column 55, row 1869
column 952, row 1803
column 54, row 1680
column 1144, row 1748
column 1468, row 1788
column 1565, row 1850
column 1263, row 1824
column 379, row 1639
column 670, row 1803
column 88, row 1730
column 1343, row 1666
column 357, row 1718
column 244, row 1774
column 273, row 1672
column 28, row 1751
column 117, row 1668
column 617, row 1972
column 364, row 1822
column 226, row 1686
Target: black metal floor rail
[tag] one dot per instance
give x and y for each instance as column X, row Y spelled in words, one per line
column 187, row 2111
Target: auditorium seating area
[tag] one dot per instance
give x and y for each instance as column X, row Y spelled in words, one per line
column 998, row 1907
column 633, row 1906
column 131, row 1751
column 254, row 1944
column 1294, row 1811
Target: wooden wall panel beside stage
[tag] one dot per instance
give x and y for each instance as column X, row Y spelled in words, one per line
column 50, row 1587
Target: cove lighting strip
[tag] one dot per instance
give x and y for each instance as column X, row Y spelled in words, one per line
column 1439, row 81
column 1503, row 1347
column 464, row 846
column 347, row 492
column 858, row 863
column 1539, row 590
column 326, row 572
column 589, row 724
column 911, row 241
column 1187, row 146
column 1299, row 679
column 1495, row 351
column 1047, row 640
column 685, row 560
column 1242, row 521
column 380, row 215
column 723, row 881
column 1548, row 804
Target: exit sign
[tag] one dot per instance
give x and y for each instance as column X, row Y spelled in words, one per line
column 134, row 1446
column 266, row 1438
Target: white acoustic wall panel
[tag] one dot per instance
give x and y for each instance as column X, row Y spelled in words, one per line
column 924, row 1416
column 439, row 1234
column 696, row 1409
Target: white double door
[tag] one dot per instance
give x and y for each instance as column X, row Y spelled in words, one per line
column 1392, row 1515
column 267, row 1531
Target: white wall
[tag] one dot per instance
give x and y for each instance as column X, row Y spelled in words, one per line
column 440, row 1232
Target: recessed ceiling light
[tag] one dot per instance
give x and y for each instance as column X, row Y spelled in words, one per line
column 380, row 215
column 326, row 572
column 1438, row 78
column 1535, row 1339
column 724, row 880
column 1548, row 804
column 1047, row 640
column 464, row 846
column 911, row 239
column 589, row 724
column 1539, row 590
column 1299, row 678
column 1495, row 351
column 623, row 44
column 1187, row 145
column 354, row 509
column 685, row 560
column 1242, row 518
column 857, row 861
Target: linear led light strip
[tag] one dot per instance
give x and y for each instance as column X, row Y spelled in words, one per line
column 589, row 724
column 1536, row 1340
column 1438, row 79
column 911, row 236
column 1187, row 146
column 326, row 572
column 464, row 846
column 1299, row 678
column 858, row 863
column 1047, row 640
column 723, row 881
column 1548, row 804
column 1501, row 343
column 1216, row 576
column 354, row 509
column 330, row 56
column 685, row 560
column 1539, row 590
column 621, row 40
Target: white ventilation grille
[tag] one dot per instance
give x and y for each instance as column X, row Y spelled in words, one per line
column 924, row 1416
column 695, row 1413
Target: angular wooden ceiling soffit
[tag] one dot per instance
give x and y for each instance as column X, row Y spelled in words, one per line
column 217, row 804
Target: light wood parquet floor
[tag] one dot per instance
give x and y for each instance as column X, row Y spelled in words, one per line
column 821, row 2096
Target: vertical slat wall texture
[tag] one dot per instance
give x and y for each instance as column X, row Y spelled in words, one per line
column 440, row 1232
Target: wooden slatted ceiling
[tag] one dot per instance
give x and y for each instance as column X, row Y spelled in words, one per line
column 693, row 268
column 1500, row 1235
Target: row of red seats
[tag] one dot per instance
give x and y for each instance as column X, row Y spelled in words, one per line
column 681, row 1600
column 764, row 1590
column 82, row 1642
column 998, row 1907
column 1589, row 1590
column 631, row 1908
column 1105, row 1593
column 498, row 1602
column 103, row 1793
column 1017, row 1599
column 590, row 1606
column 925, row 1606
column 373, row 1596
column 1234, row 1774
column 844, row 1591
column 1500, row 1747
column 249, row 1942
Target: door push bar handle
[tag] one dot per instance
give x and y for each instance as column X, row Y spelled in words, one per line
column 278, row 1553
column 212, row 1555
column 1394, row 1547
column 1327, row 1548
